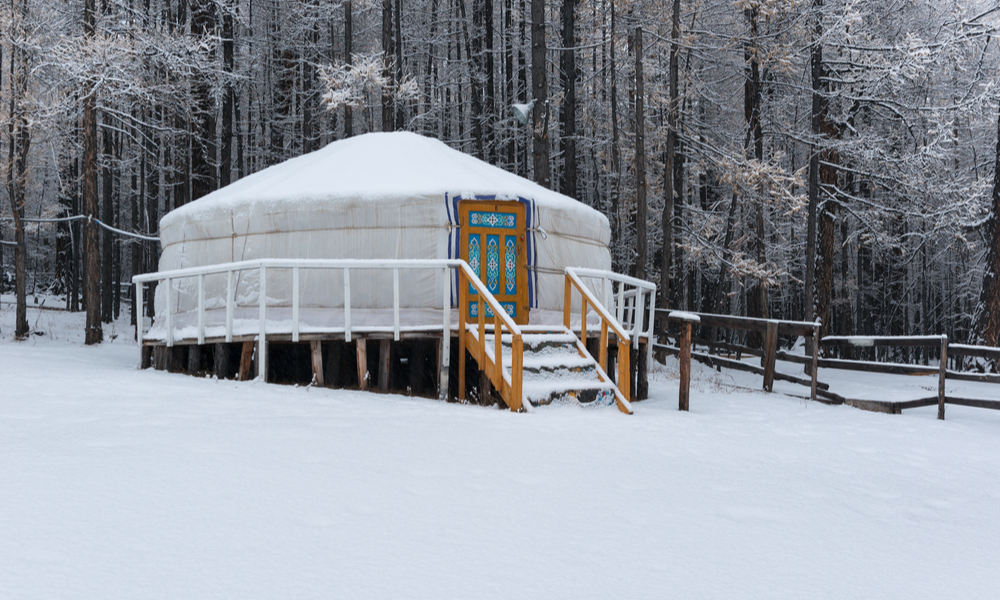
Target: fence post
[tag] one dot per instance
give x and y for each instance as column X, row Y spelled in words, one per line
column 770, row 351
column 942, row 375
column 684, row 356
column 683, row 395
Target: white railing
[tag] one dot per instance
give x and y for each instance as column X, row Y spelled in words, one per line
column 632, row 302
column 262, row 266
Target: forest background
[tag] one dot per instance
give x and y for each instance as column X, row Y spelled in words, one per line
column 796, row 159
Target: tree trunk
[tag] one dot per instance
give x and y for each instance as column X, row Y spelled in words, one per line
column 348, row 59
column 568, row 71
column 640, row 163
column 757, row 290
column 540, row 89
column 669, row 185
column 989, row 316
column 388, row 107
column 91, row 251
column 17, row 174
column 228, row 99
column 107, row 215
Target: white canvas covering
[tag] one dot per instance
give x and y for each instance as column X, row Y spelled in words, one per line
column 375, row 196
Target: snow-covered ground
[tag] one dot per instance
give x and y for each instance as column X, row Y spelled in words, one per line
column 118, row 483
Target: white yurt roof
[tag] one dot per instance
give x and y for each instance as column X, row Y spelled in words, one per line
column 378, row 168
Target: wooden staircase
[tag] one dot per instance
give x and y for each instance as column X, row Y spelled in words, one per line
column 533, row 366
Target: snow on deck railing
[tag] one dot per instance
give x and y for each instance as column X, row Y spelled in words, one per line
column 262, row 265
column 632, row 307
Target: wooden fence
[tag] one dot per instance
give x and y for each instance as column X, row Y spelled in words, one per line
column 771, row 329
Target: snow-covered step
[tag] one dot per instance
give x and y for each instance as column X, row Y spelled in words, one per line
column 555, row 369
column 581, row 391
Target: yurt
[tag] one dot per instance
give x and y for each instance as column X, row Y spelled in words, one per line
column 374, row 197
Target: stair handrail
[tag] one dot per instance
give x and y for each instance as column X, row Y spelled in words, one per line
column 607, row 321
column 501, row 321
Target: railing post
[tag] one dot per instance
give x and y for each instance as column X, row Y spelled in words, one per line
column 498, row 350
column 262, row 339
column 347, row 304
column 568, row 298
column 943, row 374
column 445, row 333
column 395, row 303
column 170, row 316
column 201, row 309
column 463, row 297
column 602, row 352
column 624, row 371
column 230, row 299
column 583, row 319
column 620, row 309
column 517, row 370
column 295, row 304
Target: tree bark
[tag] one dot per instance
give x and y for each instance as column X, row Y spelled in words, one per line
column 91, row 250
column 228, row 100
column 17, row 174
column 540, row 89
column 640, row 163
column 989, row 316
column 568, row 72
column 388, row 106
column 669, row 185
column 348, row 59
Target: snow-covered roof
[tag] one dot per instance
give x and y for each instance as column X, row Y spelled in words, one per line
column 376, row 167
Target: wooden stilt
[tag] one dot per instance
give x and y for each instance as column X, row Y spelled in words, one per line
column 246, row 361
column 223, row 369
column 383, row 365
column 160, row 358
column 362, row 351
column 332, row 366
column 317, row 361
column 194, row 360
column 415, row 365
column 485, row 389
column 641, row 374
column 176, row 356
column 147, row 357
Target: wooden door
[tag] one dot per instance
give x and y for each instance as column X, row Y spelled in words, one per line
column 493, row 243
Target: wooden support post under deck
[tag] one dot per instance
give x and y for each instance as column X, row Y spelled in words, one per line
column 316, row 348
column 770, row 352
column 683, row 396
column 383, row 365
column 222, row 368
column 362, row 351
column 194, row 360
column 332, row 364
column 246, row 360
column 941, row 377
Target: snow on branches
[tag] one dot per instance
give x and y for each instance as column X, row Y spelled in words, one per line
column 353, row 84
